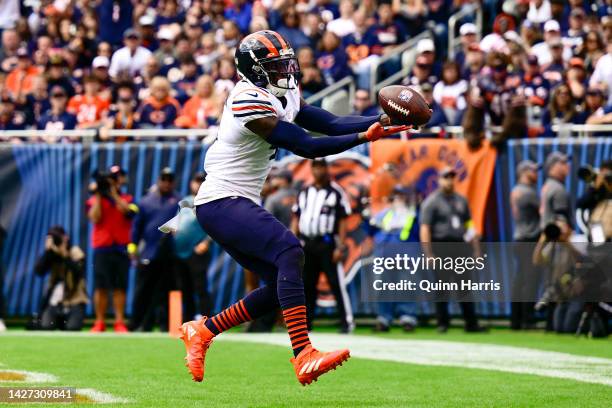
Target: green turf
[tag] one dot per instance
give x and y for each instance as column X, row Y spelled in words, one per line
column 149, row 372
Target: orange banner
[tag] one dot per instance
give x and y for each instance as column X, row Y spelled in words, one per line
column 416, row 163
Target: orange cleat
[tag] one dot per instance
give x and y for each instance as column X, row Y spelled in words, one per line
column 98, row 327
column 197, row 339
column 120, row 327
column 310, row 364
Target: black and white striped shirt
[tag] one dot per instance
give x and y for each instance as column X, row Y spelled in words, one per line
column 319, row 210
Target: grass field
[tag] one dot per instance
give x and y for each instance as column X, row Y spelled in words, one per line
column 148, row 371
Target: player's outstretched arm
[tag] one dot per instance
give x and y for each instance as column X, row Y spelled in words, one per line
column 321, row 121
column 293, row 138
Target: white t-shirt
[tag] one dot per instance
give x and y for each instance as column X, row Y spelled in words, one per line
column 342, row 26
column 603, row 74
column 239, row 161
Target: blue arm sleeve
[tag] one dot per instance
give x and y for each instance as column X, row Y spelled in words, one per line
column 295, row 139
column 321, row 121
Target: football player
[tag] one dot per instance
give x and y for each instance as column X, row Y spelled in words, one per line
column 258, row 117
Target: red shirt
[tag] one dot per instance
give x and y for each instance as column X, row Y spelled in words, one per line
column 114, row 227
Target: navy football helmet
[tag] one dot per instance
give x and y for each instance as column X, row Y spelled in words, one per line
column 267, row 60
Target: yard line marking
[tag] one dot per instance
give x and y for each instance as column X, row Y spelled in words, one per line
column 519, row 360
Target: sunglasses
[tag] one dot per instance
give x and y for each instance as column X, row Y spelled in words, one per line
column 58, row 95
column 449, row 176
column 125, row 100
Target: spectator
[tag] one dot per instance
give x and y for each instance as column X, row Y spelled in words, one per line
column 65, row 297
column 20, row 81
column 591, row 48
column 208, row 54
column 555, row 199
column 593, row 102
column 474, row 62
column 99, row 67
column 343, row 25
column 438, row 115
column 229, row 35
column 115, row 18
column 57, row 118
column 90, row 108
column 386, row 33
column 422, row 73
column 240, row 13
column 160, row 109
column 445, row 218
column 146, row 27
column 111, row 212
column 37, row 102
column 363, row 106
column 597, row 113
column 311, row 80
column 576, row 78
column 320, row 228
column 602, row 76
column 552, row 37
column 10, row 44
column 555, row 70
column 122, row 114
column 332, row 59
column 525, row 205
column 187, row 75
column 313, row 27
column 56, row 75
column 539, row 11
column 193, row 256
column 226, row 77
column 357, row 49
column 10, row 119
column 290, row 30
column 468, row 37
column 562, row 109
column 130, row 59
column 165, row 53
column 156, row 255
column 168, row 13
column 497, row 94
column 449, row 93
column 203, row 109
column 574, row 35
column 412, row 13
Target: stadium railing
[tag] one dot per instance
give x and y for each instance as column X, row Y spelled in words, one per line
column 337, row 98
column 207, row 136
column 454, row 39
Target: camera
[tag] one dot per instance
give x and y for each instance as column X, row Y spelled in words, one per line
column 102, row 182
column 552, row 232
column 57, row 234
column 588, row 174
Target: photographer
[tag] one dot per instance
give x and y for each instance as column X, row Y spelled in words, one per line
column 65, row 297
column 555, row 251
column 111, row 212
column 596, row 202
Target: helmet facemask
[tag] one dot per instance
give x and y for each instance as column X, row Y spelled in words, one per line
column 282, row 74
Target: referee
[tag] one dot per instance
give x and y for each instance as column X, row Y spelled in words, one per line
column 320, row 222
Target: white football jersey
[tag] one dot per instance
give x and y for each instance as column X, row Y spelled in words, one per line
column 239, row 161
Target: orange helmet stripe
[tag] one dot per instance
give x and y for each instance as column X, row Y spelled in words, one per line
column 281, row 40
column 262, row 38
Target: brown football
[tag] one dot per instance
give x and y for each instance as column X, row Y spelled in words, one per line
column 404, row 105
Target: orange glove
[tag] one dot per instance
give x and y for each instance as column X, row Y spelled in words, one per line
column 377, row 131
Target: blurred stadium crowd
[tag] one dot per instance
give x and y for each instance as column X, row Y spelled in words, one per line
column 124, row 64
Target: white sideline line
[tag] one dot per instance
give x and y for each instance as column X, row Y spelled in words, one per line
column 100, row 397
column 510, row 359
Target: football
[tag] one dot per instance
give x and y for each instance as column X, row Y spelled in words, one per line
column 404, row 105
